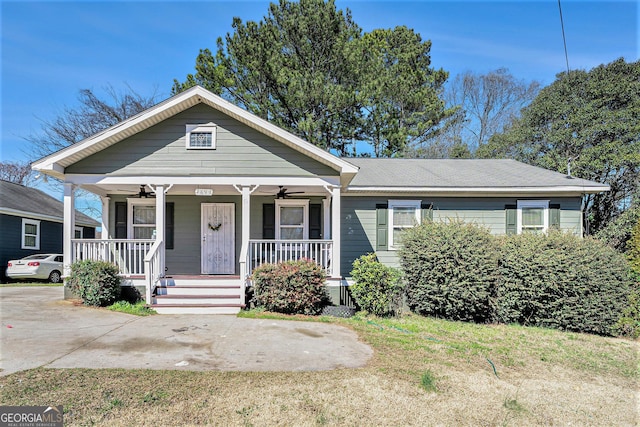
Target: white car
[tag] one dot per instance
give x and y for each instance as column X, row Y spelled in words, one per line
column 40, row 266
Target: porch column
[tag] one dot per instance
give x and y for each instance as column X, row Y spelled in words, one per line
column 104, row 234
column 69, row 226
column 335, row 231
column 246, row 216
column 160, row 213
column 326, row 208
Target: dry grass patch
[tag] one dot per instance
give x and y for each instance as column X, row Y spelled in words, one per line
column 541, row 377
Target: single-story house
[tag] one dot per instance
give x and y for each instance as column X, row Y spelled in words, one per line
column 31, row 222
column 197, row 192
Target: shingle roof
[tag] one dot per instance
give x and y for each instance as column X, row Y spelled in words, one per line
column 16, row 197
column 461, row 174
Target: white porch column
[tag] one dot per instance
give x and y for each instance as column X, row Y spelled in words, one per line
column 326, row 208
column 246, row 216
column 335, row 231
column 104, row 234
column 69, row 226
column 160, row 212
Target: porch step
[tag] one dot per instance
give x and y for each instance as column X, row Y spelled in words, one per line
column 198, row 295
column 197, row 308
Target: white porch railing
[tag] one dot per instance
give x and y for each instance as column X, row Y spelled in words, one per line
column 153, row 267
column 276, row 251
column 127, row 255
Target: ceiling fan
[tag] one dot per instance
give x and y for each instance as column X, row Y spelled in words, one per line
column 143, row 194
column 283, row 193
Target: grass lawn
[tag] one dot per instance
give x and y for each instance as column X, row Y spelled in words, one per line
column 424, row 372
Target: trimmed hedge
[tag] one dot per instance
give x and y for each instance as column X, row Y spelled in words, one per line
column 460, row 272
column 561, row 281
column 292, row 287
column 96, row 282
column 377, row 288
column 450, row 270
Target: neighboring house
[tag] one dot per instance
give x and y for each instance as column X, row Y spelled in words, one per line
column 198, row 186
column 31, row 222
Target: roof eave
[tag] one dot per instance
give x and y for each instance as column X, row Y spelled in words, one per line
column 55, row 163
column 544, row 190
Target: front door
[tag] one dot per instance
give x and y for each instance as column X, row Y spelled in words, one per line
column 218, row 238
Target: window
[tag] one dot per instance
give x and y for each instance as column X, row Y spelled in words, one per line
column 30, row 234
column 201, row 137
column 142, row 219
column 403, row 214
column 77, row 234
column 533, row 216
column 292, row 219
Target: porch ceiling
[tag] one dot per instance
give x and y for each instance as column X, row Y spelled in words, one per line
column 302, row 191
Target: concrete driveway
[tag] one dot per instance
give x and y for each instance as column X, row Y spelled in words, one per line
column 40, row 328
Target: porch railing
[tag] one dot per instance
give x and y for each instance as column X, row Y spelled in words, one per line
column 276, row 251
column 153, row 265
column 128, row 255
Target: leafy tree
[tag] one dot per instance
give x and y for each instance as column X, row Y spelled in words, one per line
column 591, row 120
column 16, row 172
column 307, row 67
column 400, row 92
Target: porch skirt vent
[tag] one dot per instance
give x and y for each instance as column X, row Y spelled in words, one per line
column 338, row 311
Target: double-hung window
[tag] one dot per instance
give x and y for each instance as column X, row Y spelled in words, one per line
column 533, row 216
column 403, row 214
column 142, row 223
column 30, row 234
column 292, row 219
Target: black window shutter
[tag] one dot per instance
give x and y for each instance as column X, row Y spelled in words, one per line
column 554, row 216
column 315, row 221
column 427, row 212
column 121, row 221
column 169, row 225
column 269, row 221
column 382, row 230
column 511, row 214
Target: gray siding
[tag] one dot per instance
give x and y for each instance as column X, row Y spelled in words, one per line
column 160, row 150
column 359, row 220
column 185, row 257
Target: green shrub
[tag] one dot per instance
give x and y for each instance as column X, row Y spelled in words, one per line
column 629, row 323
column 292, row 287
column 634, row 248
column 561, row 281
column 96, row 282
column 450, row 270
column 377, row 288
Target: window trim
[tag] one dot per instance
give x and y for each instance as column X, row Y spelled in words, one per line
column 23, row 235
column 544, row 204
column 138, row 202
column 401, row 203
column 305, row 215
column 201, row 128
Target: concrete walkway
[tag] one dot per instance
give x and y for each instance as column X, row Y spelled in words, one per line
column 39, row 328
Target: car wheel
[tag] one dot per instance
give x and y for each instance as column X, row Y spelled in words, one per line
column 55, row 276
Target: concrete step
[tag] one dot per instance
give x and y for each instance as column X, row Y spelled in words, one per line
column 197, row 308
column 198, row 290
column 197, row 299
column 200, row 281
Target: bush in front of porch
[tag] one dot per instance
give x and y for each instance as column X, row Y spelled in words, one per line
column 291, row 287
column 96, row 282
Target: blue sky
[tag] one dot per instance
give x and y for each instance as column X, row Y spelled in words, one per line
column 51, row 50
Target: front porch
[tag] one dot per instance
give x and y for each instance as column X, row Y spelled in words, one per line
column 176, row 234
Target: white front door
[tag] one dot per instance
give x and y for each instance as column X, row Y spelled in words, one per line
column 218, row 238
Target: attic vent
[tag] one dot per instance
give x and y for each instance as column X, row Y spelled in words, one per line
column 201, row 137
